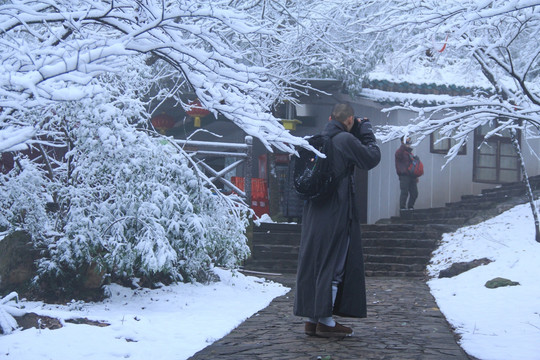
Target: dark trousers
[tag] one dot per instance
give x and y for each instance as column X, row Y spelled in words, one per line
column 409, row 189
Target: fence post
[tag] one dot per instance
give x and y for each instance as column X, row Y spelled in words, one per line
column 248, row 169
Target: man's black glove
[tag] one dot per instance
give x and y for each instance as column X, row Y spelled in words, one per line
column 363, row 131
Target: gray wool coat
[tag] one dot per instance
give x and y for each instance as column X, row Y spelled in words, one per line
column 331, row 231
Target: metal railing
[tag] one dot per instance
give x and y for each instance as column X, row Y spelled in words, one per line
column 204, row 149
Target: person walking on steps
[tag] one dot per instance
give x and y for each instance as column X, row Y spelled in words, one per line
column 330, row 278
column 407, row 182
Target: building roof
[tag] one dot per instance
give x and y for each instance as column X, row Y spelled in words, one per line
column 421, row 84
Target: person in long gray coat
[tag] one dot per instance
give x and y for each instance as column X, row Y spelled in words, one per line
column 330, row 276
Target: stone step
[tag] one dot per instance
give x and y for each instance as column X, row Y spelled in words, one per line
column 391, row 267
column 371, row 269
column 443, row 221
column 389, row 273
column 403, row 247
column 398, row 246
column 438, row 213
column 504, row 188
column 405, row 251
column 277, row 227
column 405, row 235
column 387, row 227
column 520, row 186
column 442, row 209
column 263, row 251
column 476, row 204
column 399, row 242
column 272, row 265
column 291, row 238
column 498, row 197
column 405, row 230
column 369, row 272
column 399, row 259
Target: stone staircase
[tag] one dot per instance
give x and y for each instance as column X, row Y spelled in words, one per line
column 399, row 246
column 398, row 249
column 274, row 248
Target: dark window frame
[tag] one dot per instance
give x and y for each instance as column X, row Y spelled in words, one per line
column 495, row 141
column 448, row 144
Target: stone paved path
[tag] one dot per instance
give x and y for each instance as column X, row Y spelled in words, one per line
column 403, row 323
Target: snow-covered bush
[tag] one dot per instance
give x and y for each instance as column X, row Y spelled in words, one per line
column 23, row 199
column 128, row 201
column 131, row 203
column 137, row 208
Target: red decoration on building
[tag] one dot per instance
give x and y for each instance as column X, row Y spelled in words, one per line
column 259, row 194
column 197, row 112
column 162, row 122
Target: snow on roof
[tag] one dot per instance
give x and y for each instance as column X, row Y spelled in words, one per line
column 422, row 84
column 392, row 97
column 460, row 73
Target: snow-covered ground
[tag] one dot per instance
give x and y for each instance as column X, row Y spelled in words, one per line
column 176, row 321
column 501, row 323
column 173, row 322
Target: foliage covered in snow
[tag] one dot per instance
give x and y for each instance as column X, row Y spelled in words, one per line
column 86, row 75
column 497, row 39
column 238, row 59
column 128, row 201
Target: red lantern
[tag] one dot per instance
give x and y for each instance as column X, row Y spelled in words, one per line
column 162, row 122
column 197, row 112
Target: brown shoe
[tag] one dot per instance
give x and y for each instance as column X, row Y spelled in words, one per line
column 310, row 328
column 336, row 331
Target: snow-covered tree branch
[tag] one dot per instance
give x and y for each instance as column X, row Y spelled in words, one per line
column 83, row 76
column 496, row 38
column 7, row 311
column 127, row 202
column 54, row 51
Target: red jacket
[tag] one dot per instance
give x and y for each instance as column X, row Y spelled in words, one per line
column 403, row 159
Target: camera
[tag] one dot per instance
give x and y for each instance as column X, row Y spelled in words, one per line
column 364, row 131
column 361, row 120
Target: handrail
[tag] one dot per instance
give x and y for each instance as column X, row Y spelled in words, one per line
column 207, row 148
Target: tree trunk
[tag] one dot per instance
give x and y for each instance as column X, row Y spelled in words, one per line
column 526, row 182
column 273, row 186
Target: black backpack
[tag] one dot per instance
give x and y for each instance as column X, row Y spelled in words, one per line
column 313, row 176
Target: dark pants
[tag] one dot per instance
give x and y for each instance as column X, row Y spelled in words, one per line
column 408, row 187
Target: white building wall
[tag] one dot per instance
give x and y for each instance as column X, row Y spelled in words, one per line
column 440, row 183
column 531, row 153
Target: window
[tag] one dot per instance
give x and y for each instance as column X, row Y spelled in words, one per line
column 495, row 160
column 442, row 146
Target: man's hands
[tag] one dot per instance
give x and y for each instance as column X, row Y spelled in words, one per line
column 363, row 131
